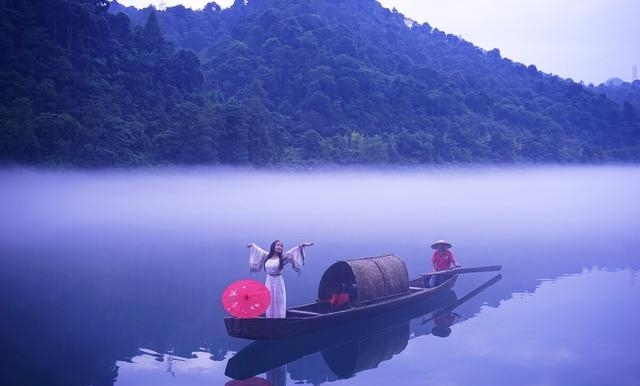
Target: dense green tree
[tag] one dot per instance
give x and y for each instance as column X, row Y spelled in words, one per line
column 271, row 82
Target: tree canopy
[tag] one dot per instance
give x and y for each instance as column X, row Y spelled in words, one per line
column 283, row 82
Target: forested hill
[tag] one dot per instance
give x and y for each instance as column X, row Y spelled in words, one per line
column 274, row 82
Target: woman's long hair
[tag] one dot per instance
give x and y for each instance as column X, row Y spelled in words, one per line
column 272, row 252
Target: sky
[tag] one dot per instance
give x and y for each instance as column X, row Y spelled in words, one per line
column 585, row 40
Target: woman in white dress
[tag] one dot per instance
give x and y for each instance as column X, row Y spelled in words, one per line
column 273, row 262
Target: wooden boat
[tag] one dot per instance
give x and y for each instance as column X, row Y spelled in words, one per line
column 350, row 347
column 257, row 357
column 372, row 285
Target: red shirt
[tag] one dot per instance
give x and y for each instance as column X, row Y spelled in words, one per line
column 443, row 259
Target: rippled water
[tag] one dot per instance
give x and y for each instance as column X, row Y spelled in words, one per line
column 114, row 277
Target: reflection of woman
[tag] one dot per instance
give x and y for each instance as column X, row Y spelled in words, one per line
column 277, row 376
column 273, row 262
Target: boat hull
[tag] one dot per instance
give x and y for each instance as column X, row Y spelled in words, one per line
column 262, row 328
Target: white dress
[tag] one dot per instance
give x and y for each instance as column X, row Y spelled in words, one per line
column 275, row 282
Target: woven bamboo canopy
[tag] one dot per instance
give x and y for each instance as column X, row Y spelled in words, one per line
column 366, row 279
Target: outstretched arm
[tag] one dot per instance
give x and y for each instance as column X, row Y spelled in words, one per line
column 296, row 256
column 257, row 256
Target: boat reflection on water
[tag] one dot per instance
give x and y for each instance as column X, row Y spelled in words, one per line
column 352, row 347
column 349, row 358
column 443, row 318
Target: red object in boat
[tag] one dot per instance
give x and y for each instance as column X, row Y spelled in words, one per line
column 339, row 299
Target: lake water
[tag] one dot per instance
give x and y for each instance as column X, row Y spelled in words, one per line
column 115, row 277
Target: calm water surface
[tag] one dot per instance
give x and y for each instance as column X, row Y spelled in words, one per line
column 114, row 277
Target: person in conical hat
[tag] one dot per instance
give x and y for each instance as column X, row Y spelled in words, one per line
column 442, row 259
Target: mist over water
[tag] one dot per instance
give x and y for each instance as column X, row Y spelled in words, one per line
column 121, row 261
column 200, row 220
column 474, row 207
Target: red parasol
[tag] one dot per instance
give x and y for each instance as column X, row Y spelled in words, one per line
column 253, row 381
column 246, row 298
